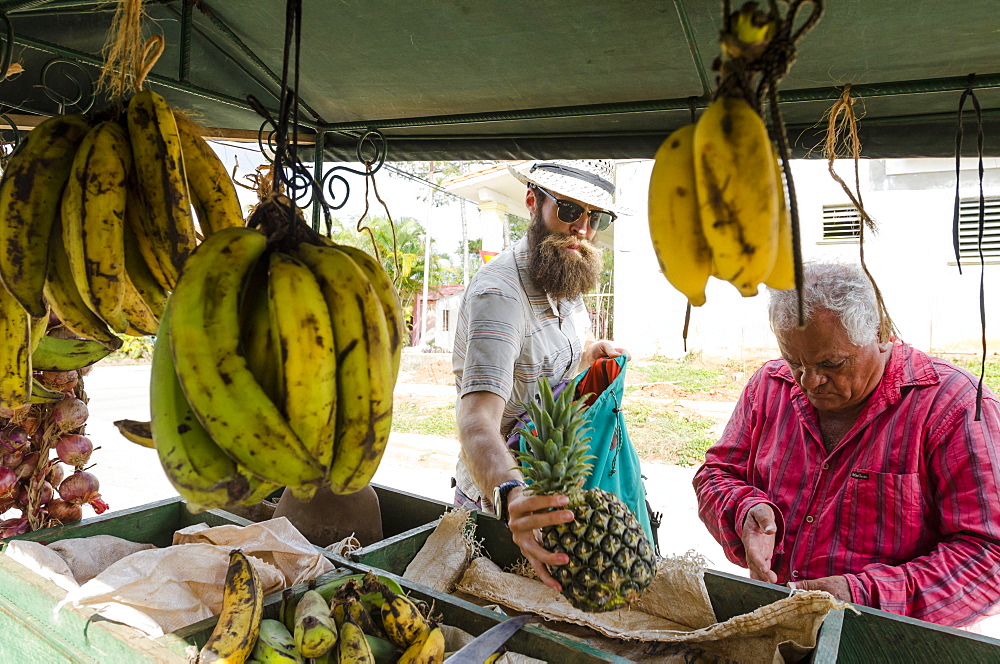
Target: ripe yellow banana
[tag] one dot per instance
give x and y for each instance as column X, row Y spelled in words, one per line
column 231, row 405
column 782, row 276
column 256, row 342
column 195, row 465
column 737, row 193
column 315, row 630
column 363, row 619
column 212, row 190
column 275, row 644
column 307, row 356
column 159, row 165
column 675, row 220
column 141, row 276
column 388, row 297
column 427, row 648
column 15, row 352
column 402, row 620
column 30, row 188
column 364, row 366
column 93, row 221
column 137, row 218
column 64, row 297
column 352, row 646
column 234, row 635
column 136, row 432
column 54, row 354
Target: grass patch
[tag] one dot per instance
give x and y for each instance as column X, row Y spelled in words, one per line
column 973, row 365
column 661, row 435
column 414, row 417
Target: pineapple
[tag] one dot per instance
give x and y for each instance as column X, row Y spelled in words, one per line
column 610, row 560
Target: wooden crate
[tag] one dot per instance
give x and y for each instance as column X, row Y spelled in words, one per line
column 32, row 633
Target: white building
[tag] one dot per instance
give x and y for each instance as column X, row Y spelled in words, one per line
column 911, row 257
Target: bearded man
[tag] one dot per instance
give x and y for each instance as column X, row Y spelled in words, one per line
column 522, row 320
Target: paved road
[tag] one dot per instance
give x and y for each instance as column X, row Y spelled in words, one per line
column 131, row 475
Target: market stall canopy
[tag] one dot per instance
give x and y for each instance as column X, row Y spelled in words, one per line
column 466, row 79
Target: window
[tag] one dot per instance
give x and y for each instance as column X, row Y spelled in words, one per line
column 968, row 229
column 841, row 223
column 444, row 320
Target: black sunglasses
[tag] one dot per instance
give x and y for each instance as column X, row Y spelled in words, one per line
column 569, row 212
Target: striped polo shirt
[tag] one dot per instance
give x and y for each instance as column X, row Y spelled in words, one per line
column 510, row 334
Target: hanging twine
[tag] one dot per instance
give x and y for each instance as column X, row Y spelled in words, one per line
column 842, row 120
column 361, row 228
column 127, row 57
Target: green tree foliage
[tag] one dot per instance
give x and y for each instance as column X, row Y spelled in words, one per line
column 405, row 264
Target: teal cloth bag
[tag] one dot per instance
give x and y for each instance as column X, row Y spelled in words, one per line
column 616, row 463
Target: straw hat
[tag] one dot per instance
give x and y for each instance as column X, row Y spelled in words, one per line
column 589, row 181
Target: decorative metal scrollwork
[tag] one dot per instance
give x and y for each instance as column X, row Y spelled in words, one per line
column 10, row 136
column 334, row 189
column 82, row 99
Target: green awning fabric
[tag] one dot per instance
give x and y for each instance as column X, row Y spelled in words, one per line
column 464, row 79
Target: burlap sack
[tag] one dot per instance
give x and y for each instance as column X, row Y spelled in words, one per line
column 673, row 621
column 89, row 556
column 446, row 554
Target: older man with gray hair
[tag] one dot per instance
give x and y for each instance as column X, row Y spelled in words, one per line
column 858, row 466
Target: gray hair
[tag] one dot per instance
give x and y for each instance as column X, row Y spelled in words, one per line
column 842, row 289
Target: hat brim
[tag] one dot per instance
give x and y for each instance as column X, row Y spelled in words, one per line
column 570, row 187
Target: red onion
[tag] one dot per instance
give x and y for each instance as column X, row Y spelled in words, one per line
column 56, row 474
column 64, row 512
column 14, row 438
column 82, row 487
column 74, row 449
column 60, row 380
column 12, row 459
column 6, row 504
column 6, row 413
column 30, row 424
column 13, row 527
column 27, row 467
column 8, row 482
column 70, row 414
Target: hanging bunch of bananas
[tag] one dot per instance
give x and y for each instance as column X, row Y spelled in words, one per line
column 96, row 223
column 717, row 204
column 275, row 364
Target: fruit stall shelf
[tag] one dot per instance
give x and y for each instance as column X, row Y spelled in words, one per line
column 34, row 633
column 846, row 637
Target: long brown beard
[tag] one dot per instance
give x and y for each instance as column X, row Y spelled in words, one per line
column 560, row 273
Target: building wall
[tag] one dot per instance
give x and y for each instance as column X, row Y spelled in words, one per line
column 911, row 258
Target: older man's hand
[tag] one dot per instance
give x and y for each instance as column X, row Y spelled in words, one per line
column 599, row 349
column 759, row 530
column 835, row 585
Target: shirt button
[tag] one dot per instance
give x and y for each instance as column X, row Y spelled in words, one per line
column 795, row 573
column 826, row 466
column 809, row 519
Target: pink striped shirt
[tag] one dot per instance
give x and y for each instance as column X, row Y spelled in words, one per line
column 906, row 506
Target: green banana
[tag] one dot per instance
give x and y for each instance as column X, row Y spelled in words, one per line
column 275, row 644
column 53, row 354
column 383, row 652
column 315, row 630
column 93, row 220
column 64, row 297
column 364, row 366
column 231, row 405
column 370, row 590
column 141, row 276
column 197, row 467
column 32, row 182
column 42, row 394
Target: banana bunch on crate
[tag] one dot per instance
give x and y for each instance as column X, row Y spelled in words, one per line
column 717, row 204
column 365, row 620
column 275, row 364
column 96, row 223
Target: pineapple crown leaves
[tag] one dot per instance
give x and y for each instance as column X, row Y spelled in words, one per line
column 558, row 442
